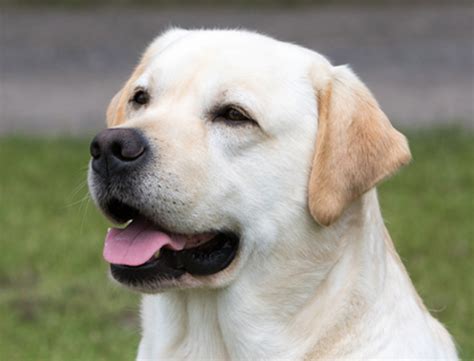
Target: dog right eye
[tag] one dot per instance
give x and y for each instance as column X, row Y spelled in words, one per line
column 234, row 117
column 141, row 97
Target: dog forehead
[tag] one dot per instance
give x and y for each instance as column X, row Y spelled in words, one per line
column 224, row 56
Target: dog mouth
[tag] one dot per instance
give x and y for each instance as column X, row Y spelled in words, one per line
column 142, row 253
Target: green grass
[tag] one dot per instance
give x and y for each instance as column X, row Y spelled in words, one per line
column 56, row 302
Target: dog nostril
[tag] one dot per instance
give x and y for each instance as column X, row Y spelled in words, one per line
column 127, row 150
column 133, row 153
column 95, row 149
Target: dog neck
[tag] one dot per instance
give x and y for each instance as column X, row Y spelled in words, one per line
column 323, row 285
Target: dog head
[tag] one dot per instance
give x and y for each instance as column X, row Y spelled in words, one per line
column 223, row 142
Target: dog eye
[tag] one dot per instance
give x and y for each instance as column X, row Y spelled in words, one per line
column 233, row 116
column 141, row 97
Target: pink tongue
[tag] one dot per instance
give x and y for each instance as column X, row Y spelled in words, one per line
column 137, row 243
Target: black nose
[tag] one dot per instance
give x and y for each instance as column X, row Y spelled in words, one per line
column 117, row 150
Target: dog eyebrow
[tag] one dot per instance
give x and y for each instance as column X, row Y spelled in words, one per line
column 142, row 82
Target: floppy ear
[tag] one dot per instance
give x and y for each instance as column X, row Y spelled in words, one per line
column 356, row 146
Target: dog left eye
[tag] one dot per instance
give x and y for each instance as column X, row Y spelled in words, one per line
column 140, row 97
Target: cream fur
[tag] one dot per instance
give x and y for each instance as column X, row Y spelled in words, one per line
column 298, row 290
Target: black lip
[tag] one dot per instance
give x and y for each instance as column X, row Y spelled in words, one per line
column 207, row 259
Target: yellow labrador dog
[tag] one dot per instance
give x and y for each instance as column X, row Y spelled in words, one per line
column 244, row 169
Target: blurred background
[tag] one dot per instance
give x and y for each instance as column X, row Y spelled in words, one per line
column 61, row 61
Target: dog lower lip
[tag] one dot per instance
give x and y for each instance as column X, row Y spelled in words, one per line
column 158, row 269
column 207, row 259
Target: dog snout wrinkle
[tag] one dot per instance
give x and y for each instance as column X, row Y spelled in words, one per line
column 117, row 150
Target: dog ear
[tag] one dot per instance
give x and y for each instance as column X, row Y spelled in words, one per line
column 356, row 146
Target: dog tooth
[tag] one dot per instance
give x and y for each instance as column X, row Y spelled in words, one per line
column 157, row 254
